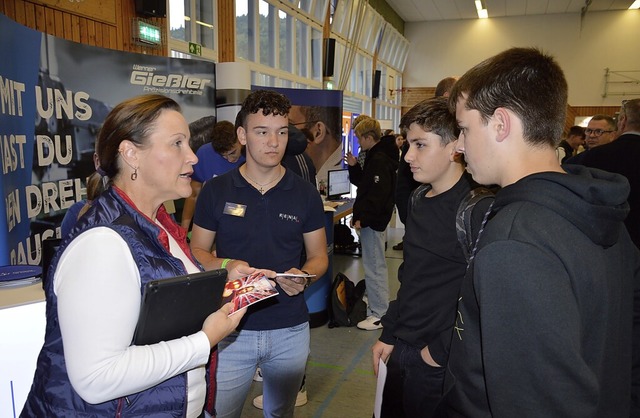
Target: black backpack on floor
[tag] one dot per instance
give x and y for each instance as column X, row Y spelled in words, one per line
column 346, row 306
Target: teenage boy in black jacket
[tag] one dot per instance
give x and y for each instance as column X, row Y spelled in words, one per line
column 418, row 325
column 540, row 331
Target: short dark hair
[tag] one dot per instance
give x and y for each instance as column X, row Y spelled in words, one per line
column 133, row 120
column 609, row 119
column 576, row 130
column 201, row 131
column 632, row 113
column 331, row 116
column 268, row 101
column 433, row 115
column 444, row 86
column 223, row 137
column 527, row 82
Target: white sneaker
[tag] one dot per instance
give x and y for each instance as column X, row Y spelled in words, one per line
column 301, row 399
column 370, row 323
column 258, row 376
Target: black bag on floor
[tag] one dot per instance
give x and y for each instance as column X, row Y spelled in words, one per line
column 346, row 306
column 342, row 237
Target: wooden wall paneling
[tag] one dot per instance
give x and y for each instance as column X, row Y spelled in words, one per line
column 87, row 22
column 9, row 9
column 100, row 10
column 91, row 32
column 58, row 23
column 40, row 19
column 84, row 32
column 98, row 36
column 111, row 37
column 226, row 31
column 75, row 28
column 118, row 26
column 414, row 95
column 67, row 26
column 19, row 12
column 30, row 15
column 50, row 21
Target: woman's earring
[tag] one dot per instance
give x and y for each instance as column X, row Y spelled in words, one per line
column 134, row 175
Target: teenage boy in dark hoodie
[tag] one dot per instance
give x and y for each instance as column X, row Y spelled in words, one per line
column 418, row 325
column 540, row 331
column 372, row 211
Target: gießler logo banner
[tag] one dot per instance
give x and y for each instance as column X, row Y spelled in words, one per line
column 167, row 83
column 68, row 89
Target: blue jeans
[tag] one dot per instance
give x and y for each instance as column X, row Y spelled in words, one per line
column 281, row 354
column 413, row 388
column 376, row 275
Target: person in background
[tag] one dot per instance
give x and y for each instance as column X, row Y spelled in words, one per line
column 572, row 144
column 201, row 131
column 261, row 214
column 94, row 188
column 600, row 130
column 549, row 304
column 323, row 127
column 296, row 158
column 372, row 210
column 87, row 366
column 418, row 325
column 444, row 86
column 622, row 156
column 221, row 154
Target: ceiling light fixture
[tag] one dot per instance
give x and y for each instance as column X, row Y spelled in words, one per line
column 482, row 10
column 635, row 5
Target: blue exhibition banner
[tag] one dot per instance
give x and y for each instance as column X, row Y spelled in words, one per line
column 54, row 95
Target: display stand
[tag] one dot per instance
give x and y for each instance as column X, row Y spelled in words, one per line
column 317, row 294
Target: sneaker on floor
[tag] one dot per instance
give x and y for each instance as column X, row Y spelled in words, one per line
column 371, row 323
column 258, row 376
column 399, row 246
column 301, row 399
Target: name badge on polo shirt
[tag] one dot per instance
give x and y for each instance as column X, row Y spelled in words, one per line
column 235, row 209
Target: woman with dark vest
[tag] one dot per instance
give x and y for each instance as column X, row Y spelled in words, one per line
column 87, row 366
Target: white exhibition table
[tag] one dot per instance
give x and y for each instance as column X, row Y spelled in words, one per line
column 22, row 325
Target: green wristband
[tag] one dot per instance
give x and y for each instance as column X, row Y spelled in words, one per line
column 225, row 262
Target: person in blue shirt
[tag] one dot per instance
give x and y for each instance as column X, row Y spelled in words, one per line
column 222, row 154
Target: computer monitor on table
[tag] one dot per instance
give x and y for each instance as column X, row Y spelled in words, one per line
column 338, row 184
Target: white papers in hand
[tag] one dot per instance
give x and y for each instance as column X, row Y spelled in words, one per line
column 382, row 377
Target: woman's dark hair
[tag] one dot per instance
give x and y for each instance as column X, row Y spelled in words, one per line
column 133, row 120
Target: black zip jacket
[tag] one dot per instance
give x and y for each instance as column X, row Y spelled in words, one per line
column 376, row 182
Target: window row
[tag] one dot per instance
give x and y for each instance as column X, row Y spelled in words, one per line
column 282, row 42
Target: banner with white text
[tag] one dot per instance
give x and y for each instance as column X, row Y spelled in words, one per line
column 54, row 95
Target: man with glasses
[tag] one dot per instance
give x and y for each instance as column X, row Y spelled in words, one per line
column 600, row 130
column 622, row 156
column 323, row 127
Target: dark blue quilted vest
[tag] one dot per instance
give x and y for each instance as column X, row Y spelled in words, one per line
column 51, row 394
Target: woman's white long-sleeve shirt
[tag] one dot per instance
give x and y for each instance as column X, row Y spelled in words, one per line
column 98, row 288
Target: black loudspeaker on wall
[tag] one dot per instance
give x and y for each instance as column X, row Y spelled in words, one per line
column 375, row 89
column 329, row 56
column 155, row 8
